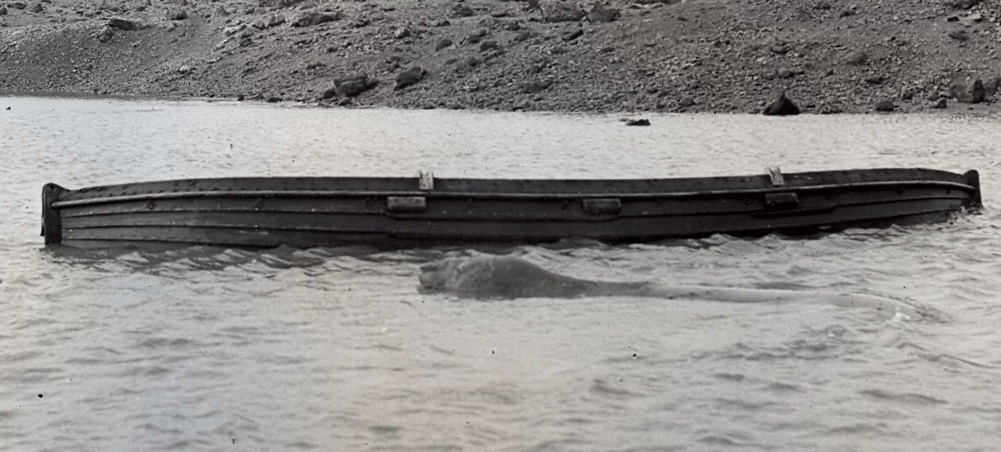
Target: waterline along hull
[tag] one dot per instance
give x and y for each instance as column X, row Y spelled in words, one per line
column 403, row 212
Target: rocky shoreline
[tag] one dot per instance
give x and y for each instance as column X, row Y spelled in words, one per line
column 827, row 56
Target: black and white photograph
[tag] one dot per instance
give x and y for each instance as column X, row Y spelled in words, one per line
column 500, row 225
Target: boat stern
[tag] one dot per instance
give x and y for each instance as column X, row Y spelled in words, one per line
column 52, row 228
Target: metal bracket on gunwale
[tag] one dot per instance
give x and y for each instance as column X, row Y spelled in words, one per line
column 775, row 174
column 425, row 181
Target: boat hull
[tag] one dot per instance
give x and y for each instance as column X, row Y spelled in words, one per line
column 407, row 212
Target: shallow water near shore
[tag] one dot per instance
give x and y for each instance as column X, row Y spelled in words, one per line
column 334, row 349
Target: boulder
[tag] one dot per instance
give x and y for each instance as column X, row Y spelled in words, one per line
column 461, row 10
column 780, row 105
column 600, row 14
column 3, row 10
column 18, row 5
column 940, row 103
column 967, row 89
column 350, row 86
column 105, row 34
column 36, row 8
column 401, row 33
column 122, row 24
column 571, row 35
column 962, row 4
column 442, row 43
column 535, row 87
column 560, row 11
column 409, row 77
column 311, row 18
column 273, row 20
column 959, row 35
column 885, row 105
column 857, row 58
column 687, row 101
column 176, row 14
column 278, row 3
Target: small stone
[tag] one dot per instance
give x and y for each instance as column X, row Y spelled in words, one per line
column 184, row 69
column 246, row 42
column 401, row 33
column 641, row 122
column 36, row 8
column 940, row 103
column 687, row 101
column 18, row 5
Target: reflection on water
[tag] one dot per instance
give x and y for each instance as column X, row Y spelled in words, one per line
column 204, row 348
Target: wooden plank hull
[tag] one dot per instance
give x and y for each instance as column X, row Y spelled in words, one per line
column 399, row 212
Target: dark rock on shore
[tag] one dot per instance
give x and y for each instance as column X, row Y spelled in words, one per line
column 105, row 35
column 940, row 103
column 885, row 105
column 177, row 14
column 311, row 18
column 122, row 24
column 780, row 105
column 601, row 14
column 967, row 90
column 350, row 86
column 638, row 122
column 409, row 77
column 560, row 11
column 273, row 20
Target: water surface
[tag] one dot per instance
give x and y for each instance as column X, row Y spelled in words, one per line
column 320, row 349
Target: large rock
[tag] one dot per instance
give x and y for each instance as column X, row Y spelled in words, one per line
column 176, row 14
column 122, row 24
column 409, row 77
column 273, row 20
column 350, row 86
column 279, row 3
column 780, row 105
column 36, row 8
column 884, row 105
column 3, row 10
column 461, row 10
column 105, row 34
column 967, row 89
column 561, row 11
column 310, row 18
column 601, row 14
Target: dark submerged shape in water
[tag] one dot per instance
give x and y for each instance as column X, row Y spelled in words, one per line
column 499, row 278
column 424, row 211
